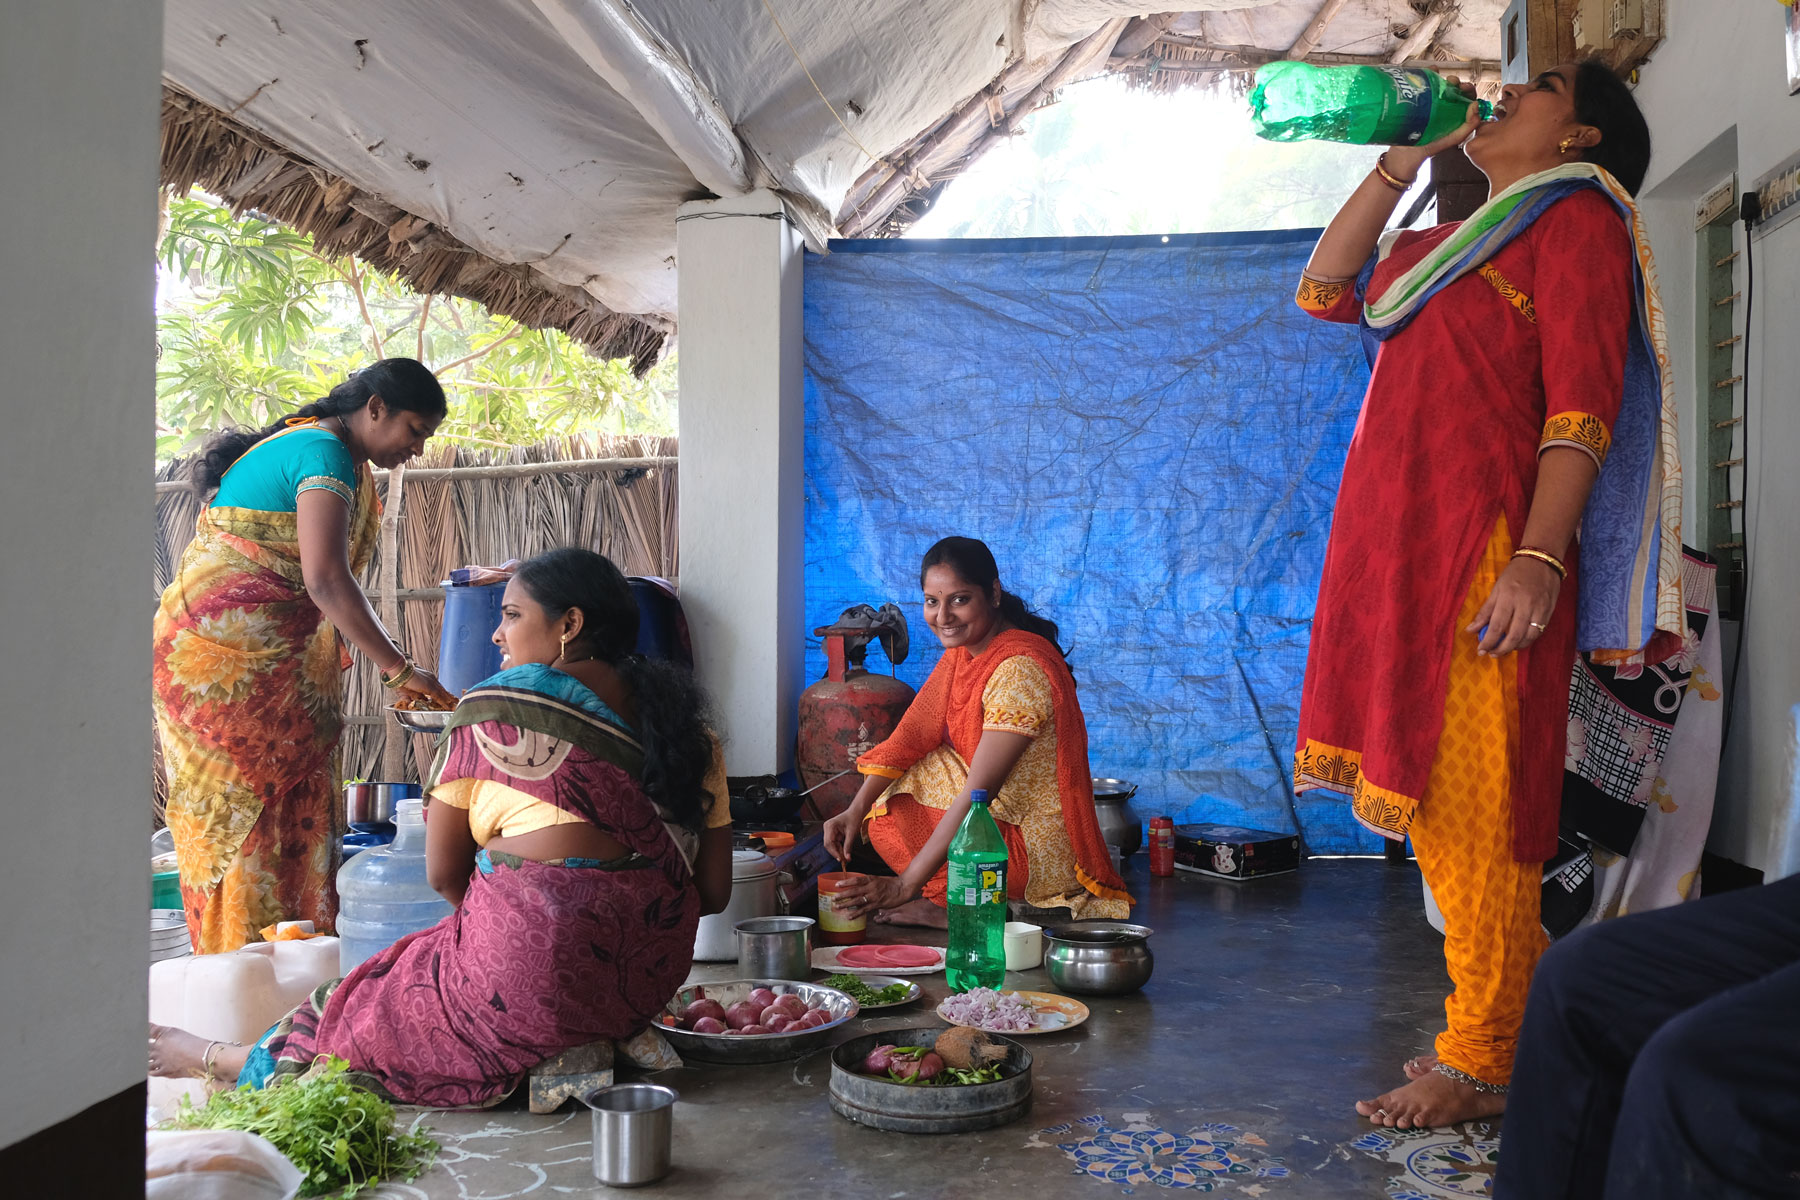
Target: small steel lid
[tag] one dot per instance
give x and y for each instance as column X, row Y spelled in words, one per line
column 750, row 864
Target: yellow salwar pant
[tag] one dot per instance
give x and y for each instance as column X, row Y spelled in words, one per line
column 1462, row 837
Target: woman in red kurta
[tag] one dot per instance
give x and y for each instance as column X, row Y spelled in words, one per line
column 1437, row 681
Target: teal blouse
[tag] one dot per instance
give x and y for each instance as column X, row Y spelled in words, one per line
column 273, row 473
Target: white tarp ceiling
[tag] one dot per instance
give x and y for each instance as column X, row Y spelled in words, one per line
column 563, row 133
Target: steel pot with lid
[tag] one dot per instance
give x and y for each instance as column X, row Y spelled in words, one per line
column 755, row 892
column 1120, row 826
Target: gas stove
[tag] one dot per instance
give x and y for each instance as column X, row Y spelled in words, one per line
column 741, row 830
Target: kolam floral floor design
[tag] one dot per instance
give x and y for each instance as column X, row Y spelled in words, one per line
column 1437, row 1164
column 1203, row 1159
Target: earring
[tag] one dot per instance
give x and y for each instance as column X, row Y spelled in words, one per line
column 1563, row 147
column 563, row 652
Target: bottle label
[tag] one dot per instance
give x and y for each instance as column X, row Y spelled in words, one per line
column 976, row 883
column 833, row 921
column 1407, row 113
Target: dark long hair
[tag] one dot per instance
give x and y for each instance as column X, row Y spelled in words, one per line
column 1603, row 101
column 671, row 709
column 973, row 561
column 403, row 383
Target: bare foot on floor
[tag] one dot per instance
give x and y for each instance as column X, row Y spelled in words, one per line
column 1431, row 1101
column 921, row 912
column 1418, row 1068
column 176, row 1053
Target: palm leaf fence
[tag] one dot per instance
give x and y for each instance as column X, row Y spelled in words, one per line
column 616, row 495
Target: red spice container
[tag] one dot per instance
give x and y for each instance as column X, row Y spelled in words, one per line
column 835, row 927
column 1162, row 846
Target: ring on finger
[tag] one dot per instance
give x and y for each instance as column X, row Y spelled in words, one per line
column 1540, row 627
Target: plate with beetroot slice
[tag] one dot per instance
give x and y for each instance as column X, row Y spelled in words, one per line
column 879, row 959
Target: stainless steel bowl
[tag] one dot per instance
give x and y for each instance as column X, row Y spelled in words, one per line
column 1098, row 958
column 762, row 1047
column 375, row 803
column 421, row 722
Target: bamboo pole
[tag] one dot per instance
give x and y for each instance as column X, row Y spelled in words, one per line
column 393, row 750
column 406, row 595
column 1472, row 70
column 1427, row 27
column 1308, row 41
column 577, row 466
column 893, row 191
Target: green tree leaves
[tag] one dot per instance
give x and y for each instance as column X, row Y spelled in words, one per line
column 252, row 323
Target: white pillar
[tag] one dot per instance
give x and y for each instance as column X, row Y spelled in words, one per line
column 80, row 82
column 741, row 495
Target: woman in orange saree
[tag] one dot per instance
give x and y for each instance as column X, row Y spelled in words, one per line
column 1000, row 714
column 248, row 651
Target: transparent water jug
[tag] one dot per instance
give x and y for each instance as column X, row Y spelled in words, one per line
column 382, row 892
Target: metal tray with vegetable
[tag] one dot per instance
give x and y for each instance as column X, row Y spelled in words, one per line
column 875, row 991
column 713, row 1022
column 931, row 1080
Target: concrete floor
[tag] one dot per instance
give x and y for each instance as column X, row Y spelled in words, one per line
column 1276, row 1003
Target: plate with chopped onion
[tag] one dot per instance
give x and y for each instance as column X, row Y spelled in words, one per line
column 1013, row 1012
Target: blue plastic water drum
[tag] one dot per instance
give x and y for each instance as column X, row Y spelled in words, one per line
column 662, row 629
column 466, row 651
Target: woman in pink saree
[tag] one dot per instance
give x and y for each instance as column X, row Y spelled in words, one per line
column 574, row 824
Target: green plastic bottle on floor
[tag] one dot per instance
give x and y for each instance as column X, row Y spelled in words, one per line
column 977, row 901
column 1363, row 105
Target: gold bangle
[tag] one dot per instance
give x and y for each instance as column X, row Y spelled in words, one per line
column 1544, row 556
column 398, row 678
column 1389, row 178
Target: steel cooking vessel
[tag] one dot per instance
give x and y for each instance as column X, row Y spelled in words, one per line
column 755, row 892
column 376, row 803
column 1098, row 958
column 1120, row 826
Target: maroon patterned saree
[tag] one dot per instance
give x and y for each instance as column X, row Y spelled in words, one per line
column 539, row 958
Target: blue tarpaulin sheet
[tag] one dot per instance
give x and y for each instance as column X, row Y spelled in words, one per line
column 1147, row 433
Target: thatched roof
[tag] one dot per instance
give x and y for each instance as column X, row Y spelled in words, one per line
column 203, row 147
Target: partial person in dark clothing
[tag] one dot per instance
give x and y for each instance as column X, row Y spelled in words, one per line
column 1660, row 1057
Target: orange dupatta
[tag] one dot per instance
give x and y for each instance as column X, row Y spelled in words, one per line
column 948, row 709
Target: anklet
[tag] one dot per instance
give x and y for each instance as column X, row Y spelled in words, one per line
column 1481, row 1085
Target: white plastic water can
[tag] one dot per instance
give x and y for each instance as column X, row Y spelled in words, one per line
column 233, row 997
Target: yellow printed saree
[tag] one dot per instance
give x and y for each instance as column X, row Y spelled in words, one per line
column 248, row 683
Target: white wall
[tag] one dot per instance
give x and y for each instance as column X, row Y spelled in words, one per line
column 79, row 90
column 1716, row 97
column 742, row 559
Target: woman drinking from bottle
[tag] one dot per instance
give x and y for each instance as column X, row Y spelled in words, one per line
column 998, row 714
column 1519, row 396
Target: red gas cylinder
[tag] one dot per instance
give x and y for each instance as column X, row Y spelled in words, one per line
column 849, row 711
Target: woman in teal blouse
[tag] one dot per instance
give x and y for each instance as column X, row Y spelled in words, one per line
column 249, row 650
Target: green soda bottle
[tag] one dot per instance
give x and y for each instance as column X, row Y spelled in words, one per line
column 977, row 901
column 1363, row 105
